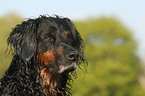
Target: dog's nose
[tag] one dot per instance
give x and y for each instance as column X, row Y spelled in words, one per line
column 73, row 55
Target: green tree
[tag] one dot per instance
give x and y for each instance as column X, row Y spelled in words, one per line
column 113, row 66
column 7, row 22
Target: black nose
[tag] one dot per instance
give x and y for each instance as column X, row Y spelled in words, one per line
column 73, row 55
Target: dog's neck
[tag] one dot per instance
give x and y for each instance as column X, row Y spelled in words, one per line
column 52, row 83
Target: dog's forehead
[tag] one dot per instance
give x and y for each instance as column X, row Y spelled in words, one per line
column 59, row 26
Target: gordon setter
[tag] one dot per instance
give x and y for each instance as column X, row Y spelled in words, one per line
column 46, row 53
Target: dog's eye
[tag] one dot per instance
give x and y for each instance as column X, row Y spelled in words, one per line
column 68, row 36
column 49, row 38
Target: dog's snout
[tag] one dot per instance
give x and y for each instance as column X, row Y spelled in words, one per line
column 72, row 55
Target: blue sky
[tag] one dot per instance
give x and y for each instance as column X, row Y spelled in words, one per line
column 129, row 12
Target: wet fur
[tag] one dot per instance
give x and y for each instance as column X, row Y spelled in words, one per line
column 34, row 67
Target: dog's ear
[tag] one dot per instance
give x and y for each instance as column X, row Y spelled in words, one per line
column 23, row 39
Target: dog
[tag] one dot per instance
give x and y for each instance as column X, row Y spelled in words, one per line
column 46, row 53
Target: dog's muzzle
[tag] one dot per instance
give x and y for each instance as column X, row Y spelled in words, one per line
column 66, row 69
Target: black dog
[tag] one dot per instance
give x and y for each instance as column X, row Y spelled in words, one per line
column 46, row 50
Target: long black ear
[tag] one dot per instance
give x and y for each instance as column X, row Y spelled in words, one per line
column 23, row 39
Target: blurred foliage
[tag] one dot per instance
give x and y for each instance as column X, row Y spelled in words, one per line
column 7, row 22
column 113, row 66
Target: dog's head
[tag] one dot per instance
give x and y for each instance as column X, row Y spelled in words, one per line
column 53, row 41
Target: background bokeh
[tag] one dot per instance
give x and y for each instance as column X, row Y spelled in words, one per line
column 113, row 32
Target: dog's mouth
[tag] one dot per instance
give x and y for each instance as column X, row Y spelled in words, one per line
column 66, row 69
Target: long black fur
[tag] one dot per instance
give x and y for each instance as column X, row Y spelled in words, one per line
column 23, row 77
